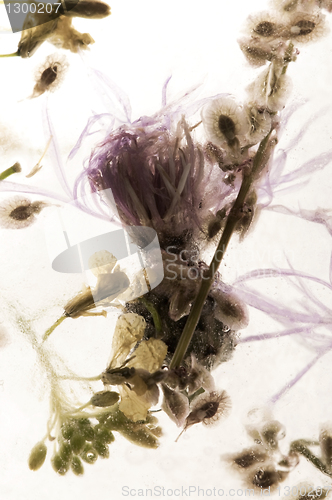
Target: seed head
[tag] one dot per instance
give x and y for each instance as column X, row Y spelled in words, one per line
column 50, row 75
column 19, row 212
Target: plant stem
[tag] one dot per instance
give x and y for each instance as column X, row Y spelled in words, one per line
column 9, row 171
column 299, row 447
column 233, row 218
column 53, row 327
column 14, row 54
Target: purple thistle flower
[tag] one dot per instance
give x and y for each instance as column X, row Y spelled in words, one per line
column 159, row 178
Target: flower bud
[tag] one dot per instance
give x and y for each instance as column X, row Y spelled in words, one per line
column 101, row 448
column 59, row 465
column 103, row 399
column 89, row 454
column 77, row 442
column 37, row 456
column 77, row 466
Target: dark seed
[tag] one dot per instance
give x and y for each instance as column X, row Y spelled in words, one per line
column 227, row 127
column 306, row 27
column 265, row 28
column 22, row 212
column 49, row 76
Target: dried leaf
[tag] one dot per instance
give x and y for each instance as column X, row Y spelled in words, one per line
column 149, row 355
column 102, row 262
column 129, row 330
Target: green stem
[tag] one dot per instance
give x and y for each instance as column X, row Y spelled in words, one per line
column 299, row 447
column 9, row 171
column 14, row 54
column 207, row 280
column 53, row 327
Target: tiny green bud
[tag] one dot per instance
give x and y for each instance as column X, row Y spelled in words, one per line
column 103, row 434
column 101, row 449
column 65, row 451
column 88, row 433
column 60, row 466
column 67, row 430
column 104, row 398
column 77, row 442
column 89, row 454
column 77, row 466
column 37, row 456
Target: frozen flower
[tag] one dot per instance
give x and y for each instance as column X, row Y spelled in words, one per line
column 267, row 476
column 208, row 409
column 190, row 377
column 305, row 27
column 58, row 31
column 50, row 75
column 264, row 429
column 108, row 287
column 260, row 124
column 135, row 377
column 226, row 125
column 259, row 50
column 271, row 89
column 265, row 25
column 159, row 178
column 19, row 212
column 262, row 465
column 288, row 6
column 214, row 339
column 175, row 405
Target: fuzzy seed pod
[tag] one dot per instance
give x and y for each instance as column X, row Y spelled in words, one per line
column 37, row 456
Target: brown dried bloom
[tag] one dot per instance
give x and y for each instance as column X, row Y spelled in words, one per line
column 40, row 27
column 208, row 409
column 265, row 24
column 304, row 27
column 19, row 212
column 50, row 75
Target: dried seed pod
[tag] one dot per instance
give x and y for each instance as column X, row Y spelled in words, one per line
column 208, row 408
column 103, row 399
column 50, row 75
column 19, row 212
column 304, row 27
column 37, row 456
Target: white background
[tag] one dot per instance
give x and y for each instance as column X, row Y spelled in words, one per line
column 138, row 47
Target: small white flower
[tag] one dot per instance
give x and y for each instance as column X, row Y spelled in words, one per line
column 226, row 124
column 288, row 6
column 50, row 75
column 265, row 24
column 19, row 212
column 260, row 124
column 271, row 89
column 305, row 27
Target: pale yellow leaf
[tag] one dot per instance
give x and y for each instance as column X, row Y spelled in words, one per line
column 129, row 330
column 102, row 262
column 149, row 355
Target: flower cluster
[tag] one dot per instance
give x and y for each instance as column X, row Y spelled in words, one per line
column 195, row 175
